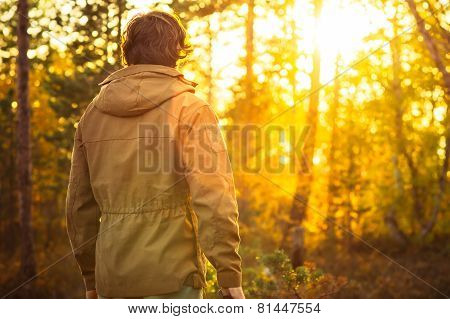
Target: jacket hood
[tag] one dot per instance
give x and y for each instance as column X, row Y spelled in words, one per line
column 137, row 89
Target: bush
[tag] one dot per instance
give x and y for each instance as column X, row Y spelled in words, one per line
column 276, row 278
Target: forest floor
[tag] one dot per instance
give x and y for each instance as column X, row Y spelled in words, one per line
column 414, row 272
column 370, row 274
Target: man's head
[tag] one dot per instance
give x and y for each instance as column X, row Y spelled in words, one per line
column 154, row 38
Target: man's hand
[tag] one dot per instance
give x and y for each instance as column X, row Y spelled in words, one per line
column 91, row 294
column 234, row 293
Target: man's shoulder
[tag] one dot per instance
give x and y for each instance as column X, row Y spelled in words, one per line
column 87, row 112
column 188, row 103
column 191, row 100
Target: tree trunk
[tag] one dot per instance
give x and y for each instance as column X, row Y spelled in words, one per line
column 28, row 263
column 428, row 227
column 249, row 49
column 431, row 45
column 349, row 180
column 332, row 208
column 400, row 148
column 444, row 32
column 442, row 188
column 305, row 175
column 434, row 53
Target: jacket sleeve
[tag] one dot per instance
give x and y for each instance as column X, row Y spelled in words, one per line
column 208, row 173
column 82, row 213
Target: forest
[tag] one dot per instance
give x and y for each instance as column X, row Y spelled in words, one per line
column 336, row 118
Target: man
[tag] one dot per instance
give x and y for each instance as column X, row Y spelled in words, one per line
column 151, row 192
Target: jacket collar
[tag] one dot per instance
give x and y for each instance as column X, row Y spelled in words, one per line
column 139, row 68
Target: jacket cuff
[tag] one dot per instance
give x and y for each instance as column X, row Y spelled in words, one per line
column 229, row 279
column 89, row 281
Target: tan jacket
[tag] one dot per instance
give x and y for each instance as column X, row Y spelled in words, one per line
column 151, row 190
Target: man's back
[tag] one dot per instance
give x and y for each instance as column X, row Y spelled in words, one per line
column 151, row 177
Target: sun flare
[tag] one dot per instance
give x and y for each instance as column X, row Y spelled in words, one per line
column 341, row 30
